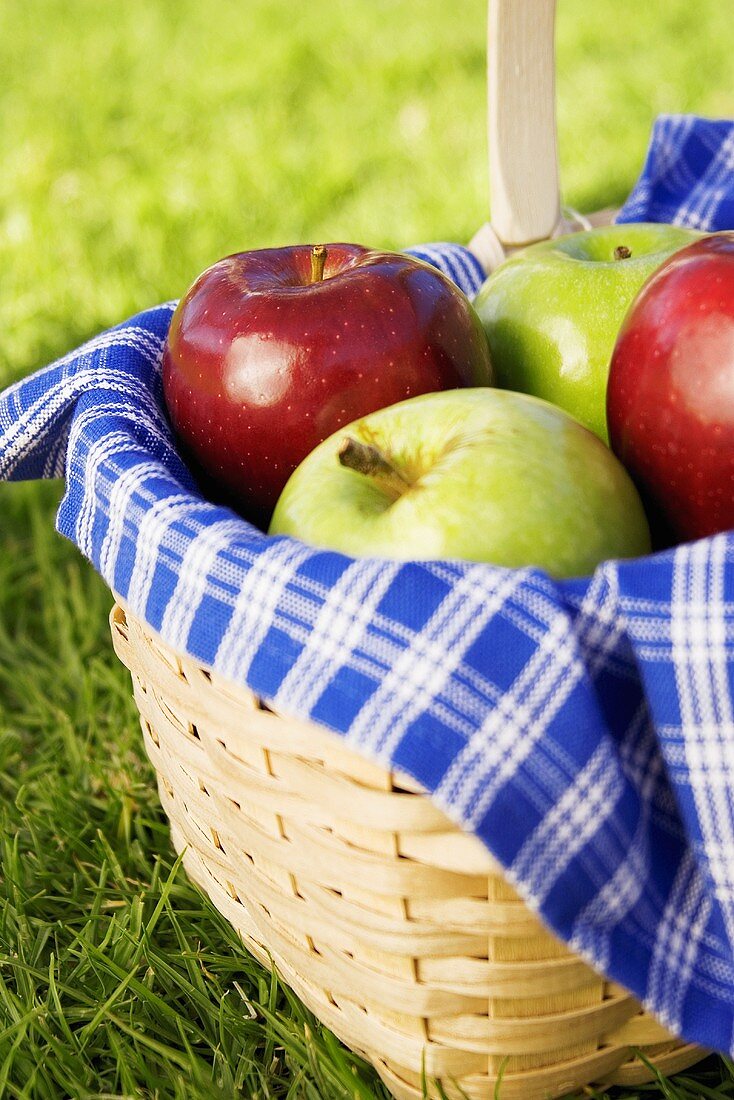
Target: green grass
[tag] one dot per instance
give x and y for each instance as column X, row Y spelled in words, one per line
column 139, row 142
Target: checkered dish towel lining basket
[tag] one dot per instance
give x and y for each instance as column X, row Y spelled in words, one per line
column 583, row 729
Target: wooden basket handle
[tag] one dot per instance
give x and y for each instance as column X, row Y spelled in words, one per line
column 521, row 120
column 521, row 129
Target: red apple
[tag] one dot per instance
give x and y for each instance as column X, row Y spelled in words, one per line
column 271, row 351
column 670, row 399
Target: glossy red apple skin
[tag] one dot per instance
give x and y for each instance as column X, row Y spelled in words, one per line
column 261, row 364
column 670, row 399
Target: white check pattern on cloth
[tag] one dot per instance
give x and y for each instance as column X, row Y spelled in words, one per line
column 583, row 730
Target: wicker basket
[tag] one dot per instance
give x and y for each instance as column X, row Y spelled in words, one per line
column 395, row 928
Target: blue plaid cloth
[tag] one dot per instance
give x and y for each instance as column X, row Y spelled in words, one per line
column 584, row 730
column 688, row 177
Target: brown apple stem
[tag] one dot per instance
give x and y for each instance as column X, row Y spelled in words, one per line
column 318, row 259
column 368, row 460
column 622, row 252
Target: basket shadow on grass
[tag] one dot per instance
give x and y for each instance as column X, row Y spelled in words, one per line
column 118, row 978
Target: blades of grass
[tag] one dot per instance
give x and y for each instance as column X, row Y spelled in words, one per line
column 500, row 1076
column 56, row 1001
column 158, row 1003
column 194, row 968
column 111, row 857
column 270, row 992
column 125, row 1078
column 103, row 1010
column 21, row 1023
column 349, row 1065
column 205, row 1079
column 698, row 1089
column 171, row 1054
column 35, row 972
column 165, row 890
column 667, row 1088
column 34, row 1088
column 163, row 968
column 14, row 1047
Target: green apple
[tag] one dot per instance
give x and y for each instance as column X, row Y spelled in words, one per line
column 552, row 311
column 482, row 474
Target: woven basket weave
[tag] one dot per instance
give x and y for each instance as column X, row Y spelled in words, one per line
column 395, row 928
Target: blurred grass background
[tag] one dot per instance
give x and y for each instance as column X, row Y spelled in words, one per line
column 139, row 142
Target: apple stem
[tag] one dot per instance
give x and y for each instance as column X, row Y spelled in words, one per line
column 622, row 252
column 318, row 259
column 368, row 460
